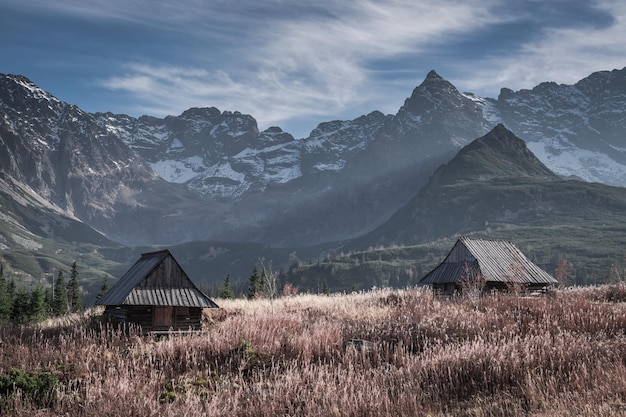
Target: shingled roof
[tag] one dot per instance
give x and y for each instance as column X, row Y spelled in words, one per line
column 497, row 261
column 156, row 279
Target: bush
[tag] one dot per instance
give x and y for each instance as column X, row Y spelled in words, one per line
column 615, row 293
column 38, row 387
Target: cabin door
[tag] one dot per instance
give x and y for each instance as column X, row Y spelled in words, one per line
column 163, row 317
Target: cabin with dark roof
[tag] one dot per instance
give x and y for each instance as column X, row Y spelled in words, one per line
column 157, row 294
column 490, row 264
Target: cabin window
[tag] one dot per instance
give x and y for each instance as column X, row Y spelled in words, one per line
column 163, row 316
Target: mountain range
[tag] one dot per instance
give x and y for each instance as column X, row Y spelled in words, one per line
column 208, row 175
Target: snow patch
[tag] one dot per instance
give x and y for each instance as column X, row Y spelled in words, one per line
column 225, row 170
column 491, row 112
column 161, row 135
column 474, row 98
column 178, row 171
column 176, row 144
column 571, row 161
column 284, row 174
column 246, row 153
column 336, row 166
column 36, row 92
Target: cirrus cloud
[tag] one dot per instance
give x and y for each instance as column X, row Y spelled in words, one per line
column 297, row 63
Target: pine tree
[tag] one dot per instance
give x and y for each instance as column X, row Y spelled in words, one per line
column 254, row 289
column 103, row 288
column 48, row 301
column 263, row 290
column 11, row 295
column 11, row 290
column 227, row 293
column 74, row 299
column 38, row 308
column 59, row 300
column 6, row 303
column 20, row 313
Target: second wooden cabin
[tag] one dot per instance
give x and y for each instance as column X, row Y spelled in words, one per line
column 492, row 264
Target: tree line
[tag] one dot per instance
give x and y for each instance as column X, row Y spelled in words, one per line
column 20, row 305
column 263, row 282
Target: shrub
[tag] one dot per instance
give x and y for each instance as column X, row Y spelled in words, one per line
column 246, row 349
column 38, row 387
column 615, row 293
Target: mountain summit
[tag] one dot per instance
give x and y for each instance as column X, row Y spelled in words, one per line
column 438, row 103
column 498, row 154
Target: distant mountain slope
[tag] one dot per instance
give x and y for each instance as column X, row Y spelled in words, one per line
column 27, row 217
column 496, row 183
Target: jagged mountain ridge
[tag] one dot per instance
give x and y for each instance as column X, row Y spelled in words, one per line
column 211, row 174
column 576, row 130
column 220, row 155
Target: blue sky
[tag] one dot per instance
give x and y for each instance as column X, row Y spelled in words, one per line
column 295, row 64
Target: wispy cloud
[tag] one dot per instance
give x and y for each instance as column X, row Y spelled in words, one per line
column 564, row 55
column 289, row 61
column 135, row 10
column 307, row 64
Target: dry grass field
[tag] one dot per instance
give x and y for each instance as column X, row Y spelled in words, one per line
column 557, row 355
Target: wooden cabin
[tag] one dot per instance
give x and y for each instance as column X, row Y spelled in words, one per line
column 490, row 264
column 157, row 294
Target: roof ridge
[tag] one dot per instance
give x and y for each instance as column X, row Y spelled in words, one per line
column 156, row 252
column 486, row 239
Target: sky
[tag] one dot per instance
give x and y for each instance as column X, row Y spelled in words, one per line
column 295, row 64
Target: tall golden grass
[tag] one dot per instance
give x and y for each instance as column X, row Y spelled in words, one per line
column 557, row 355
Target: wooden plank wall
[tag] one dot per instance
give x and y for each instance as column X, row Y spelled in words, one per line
column 185, row 318
column 168, row 274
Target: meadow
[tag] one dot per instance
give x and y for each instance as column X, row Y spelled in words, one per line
column 561, row 354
